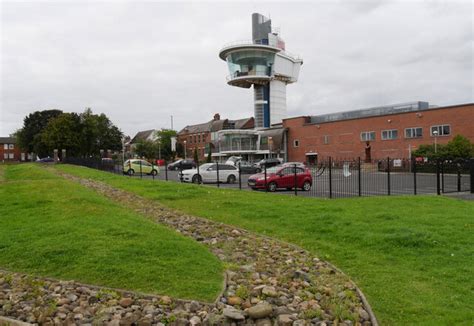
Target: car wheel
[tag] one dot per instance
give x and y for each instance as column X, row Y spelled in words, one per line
column 154, row 172
column 231, row 179
column 197, row 179
column 272, row 186
column 130, row 172
column 307, row 186
column 289, row 188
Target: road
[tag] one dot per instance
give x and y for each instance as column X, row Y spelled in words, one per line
column 346, row 183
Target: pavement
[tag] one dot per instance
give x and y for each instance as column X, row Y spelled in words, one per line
column 466, row 195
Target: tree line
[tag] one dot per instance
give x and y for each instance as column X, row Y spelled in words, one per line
column 82, row 135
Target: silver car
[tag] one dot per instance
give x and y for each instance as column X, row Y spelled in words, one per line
column 208, row 174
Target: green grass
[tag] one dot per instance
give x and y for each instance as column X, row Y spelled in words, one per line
column 53, row 227
column 411, row 255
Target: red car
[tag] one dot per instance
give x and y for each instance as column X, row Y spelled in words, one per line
column 282, row 177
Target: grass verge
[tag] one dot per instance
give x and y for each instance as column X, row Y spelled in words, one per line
column 53, row 227
column 412, row 256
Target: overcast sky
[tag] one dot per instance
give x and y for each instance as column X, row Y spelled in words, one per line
column 140, row 62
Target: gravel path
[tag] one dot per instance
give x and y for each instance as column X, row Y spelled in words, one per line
column 267, row 282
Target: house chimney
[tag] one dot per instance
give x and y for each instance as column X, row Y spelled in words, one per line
column 217, row 116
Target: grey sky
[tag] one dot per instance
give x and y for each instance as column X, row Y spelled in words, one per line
column 140, row 62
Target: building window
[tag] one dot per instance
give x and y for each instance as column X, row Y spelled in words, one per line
column 326, row 139
column 367, row 135
column 11, row 156
column 296, row 143
column 11, row 146
column 414, row 132
column 5, row 146
column 5, row 156
column 443, row 130
column 389, row 134
column 190, row 139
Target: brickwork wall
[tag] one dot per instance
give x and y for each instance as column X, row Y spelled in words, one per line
column 344, row 139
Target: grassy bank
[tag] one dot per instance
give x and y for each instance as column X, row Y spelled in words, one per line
column 412, row 256
column 56, row 228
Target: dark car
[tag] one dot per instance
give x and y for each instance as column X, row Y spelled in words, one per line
column 282, row 177
column 45, row 160
column 248, row 168
column 182, row 165
column 268, row 163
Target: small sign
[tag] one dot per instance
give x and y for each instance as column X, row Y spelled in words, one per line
column 173, row 144
column 397, row 163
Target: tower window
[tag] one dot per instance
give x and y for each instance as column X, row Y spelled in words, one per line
column 296, row 143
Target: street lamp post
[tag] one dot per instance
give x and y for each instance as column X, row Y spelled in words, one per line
column 184, row 149
column 435, row 134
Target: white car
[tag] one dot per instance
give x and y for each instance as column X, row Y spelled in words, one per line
column 208, row 174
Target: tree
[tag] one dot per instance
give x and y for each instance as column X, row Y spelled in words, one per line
column 196, row 156
column 98, row 133
column 29, row 136
column 63, row 132
column 209, row 154
column 147, row 148
column 458, row 148
column 164, row 137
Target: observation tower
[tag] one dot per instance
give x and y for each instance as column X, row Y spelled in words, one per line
column 264, row 64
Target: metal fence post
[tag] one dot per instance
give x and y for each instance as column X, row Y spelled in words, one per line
column 198, row 174
column 296, row 181
column 166, row 171
column 265, row 176
column 471, row 170
column 438, row 184
column 388, row 176
column 360, row 179
column 240, row 178
column 129, row 168
column 218, row 185
column 414, row 175
column 330, row 177
column 152, row 168
column 459, row 176
column 442, row 177
column 141, row 173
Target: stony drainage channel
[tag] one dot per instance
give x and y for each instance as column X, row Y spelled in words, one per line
column 267, row 282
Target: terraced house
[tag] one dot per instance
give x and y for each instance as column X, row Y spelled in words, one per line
column 203, row 136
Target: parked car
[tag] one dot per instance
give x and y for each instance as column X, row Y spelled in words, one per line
column 131, row 167
column 182, row 165
column 233, row 160
column 269, row 162
column 282, row 177
column 248, row 168
column 45, row 160
column 299, row 164
column 208, row 174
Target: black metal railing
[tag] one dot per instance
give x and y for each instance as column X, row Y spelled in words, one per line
column 329, row 178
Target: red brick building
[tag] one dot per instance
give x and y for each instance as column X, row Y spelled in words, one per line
column 392, row 131
column 9, row 151
column 202, row 135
